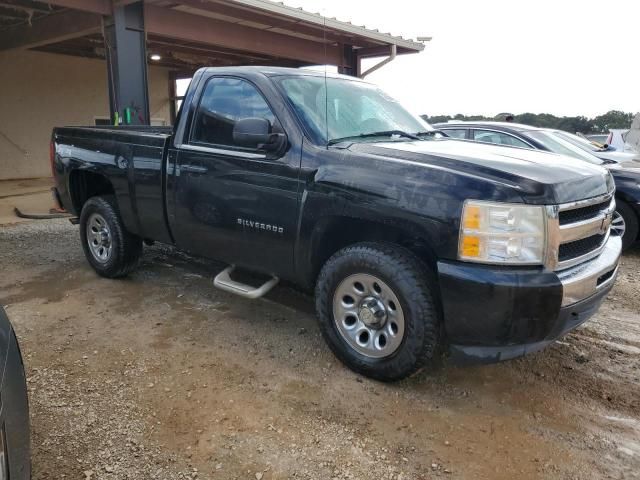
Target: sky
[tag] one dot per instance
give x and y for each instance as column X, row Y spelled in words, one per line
column 565, row 57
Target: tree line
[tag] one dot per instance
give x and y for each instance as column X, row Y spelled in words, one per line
column 599, row 124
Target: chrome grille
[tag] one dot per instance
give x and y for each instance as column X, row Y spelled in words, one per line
column 578, row 231
column 577, row 248
column 583, row 213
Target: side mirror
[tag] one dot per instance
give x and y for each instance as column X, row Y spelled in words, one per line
column 251, row 132
column 256, row 133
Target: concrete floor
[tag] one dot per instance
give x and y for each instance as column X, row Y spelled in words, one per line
column 31, row 195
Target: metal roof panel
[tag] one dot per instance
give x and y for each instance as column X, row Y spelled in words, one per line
column 331, row 23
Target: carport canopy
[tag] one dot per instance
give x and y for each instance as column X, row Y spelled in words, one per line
column 185, row 35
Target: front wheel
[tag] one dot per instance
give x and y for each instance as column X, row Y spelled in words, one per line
column 625, row 224
column 377, row 310
column 110, row 249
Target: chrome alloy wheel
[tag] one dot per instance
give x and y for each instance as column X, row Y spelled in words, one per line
column 368, row 315
column 618, row 226
column 99, row 238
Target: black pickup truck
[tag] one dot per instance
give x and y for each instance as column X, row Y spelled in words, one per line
column 416, row 245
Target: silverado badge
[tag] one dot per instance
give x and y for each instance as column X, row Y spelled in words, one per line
column 260, row 226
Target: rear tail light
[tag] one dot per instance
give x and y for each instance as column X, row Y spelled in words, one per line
column 52, row 157
column 610, row 138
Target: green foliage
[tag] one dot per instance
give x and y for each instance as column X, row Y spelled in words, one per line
column 599, row 124
column 613, row 119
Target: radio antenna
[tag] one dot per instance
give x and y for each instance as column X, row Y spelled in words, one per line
column 326, row 86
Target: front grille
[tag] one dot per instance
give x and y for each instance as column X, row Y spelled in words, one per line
column 578, row 248
column 585, row 213
column 580, row 230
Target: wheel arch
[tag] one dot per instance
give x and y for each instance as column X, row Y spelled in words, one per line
column 633, row 203
column 333, row 233
column 84, row 184
column 633, row 206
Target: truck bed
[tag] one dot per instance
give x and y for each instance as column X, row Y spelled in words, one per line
column 133, row 158
column 138, row 134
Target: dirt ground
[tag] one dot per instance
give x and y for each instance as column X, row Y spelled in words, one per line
column 161, row 376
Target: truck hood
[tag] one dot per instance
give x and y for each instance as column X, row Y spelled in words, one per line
column 632, row 169
column 539, row 177
column 619, row 157
column 627, row 175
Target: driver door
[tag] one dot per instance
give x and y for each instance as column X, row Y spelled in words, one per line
column 235, row 204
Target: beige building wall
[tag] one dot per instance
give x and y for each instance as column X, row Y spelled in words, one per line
column 41, row 90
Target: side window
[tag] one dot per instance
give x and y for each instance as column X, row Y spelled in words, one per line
column 223, row 102
column 498, row 138
column 455, row 132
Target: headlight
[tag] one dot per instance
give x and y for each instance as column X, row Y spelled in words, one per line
column 502, row 233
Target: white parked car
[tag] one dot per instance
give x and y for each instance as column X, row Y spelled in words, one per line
column 616, row 139
column 606, row 151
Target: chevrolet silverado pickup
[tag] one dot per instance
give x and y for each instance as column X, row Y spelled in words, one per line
column 416, row 246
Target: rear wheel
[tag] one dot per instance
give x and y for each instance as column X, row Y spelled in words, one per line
column 625, row 224
column 110, row 249
column 376, row 309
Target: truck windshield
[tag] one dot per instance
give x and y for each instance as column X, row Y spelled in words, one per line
column 333, row 109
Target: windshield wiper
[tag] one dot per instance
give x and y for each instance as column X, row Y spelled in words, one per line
column 384, row 133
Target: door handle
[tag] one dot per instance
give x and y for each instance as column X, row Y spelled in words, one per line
column 193, row 169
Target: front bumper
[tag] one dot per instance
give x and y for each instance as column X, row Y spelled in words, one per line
column 497, row 313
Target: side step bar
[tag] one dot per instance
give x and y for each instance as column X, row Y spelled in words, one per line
column 223, row 282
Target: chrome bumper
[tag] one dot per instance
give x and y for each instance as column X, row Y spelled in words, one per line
column 586, row 279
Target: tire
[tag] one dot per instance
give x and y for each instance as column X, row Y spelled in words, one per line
column 402, row 277
column 630, row 223
column 120, row 257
